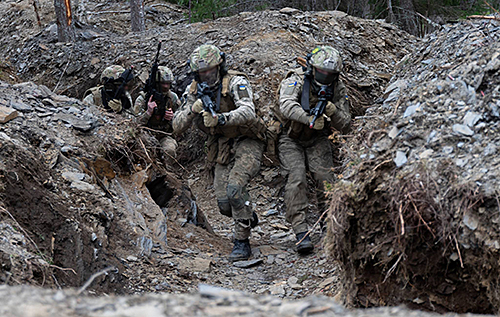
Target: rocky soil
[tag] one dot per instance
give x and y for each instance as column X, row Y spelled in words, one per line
column 418, row 202
column 208, row 301
column 84, row 191
column 115, row 218
column 262, row 44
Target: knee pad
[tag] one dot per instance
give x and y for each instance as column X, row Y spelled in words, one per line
column 235, row 195
column 224, row 207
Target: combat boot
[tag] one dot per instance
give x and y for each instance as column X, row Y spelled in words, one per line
column 241, row 250
column 306, row 245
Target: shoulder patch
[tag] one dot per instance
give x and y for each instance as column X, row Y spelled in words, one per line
column 242, row 91
column 292, row 84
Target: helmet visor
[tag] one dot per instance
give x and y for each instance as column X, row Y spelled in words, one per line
column 325, row 77
column 209, row 75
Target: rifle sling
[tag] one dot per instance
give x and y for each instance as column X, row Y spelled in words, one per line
column 217, row 102
column 304, row 98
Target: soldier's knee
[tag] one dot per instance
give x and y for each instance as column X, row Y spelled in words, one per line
column 235, row 196
column 224, row 207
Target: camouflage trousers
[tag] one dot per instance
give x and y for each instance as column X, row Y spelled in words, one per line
column 296, row 158
column 230, row 182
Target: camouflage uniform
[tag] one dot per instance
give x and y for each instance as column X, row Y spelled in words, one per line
column 236, row 146
column 155, row 122
column 301, row 148
column 168, row 143
column 94, row 96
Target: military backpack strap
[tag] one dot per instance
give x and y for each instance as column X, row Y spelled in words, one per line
column 193, row 89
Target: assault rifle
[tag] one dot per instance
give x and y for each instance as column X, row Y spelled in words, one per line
column 152, row 88
column 205, row 94
column 324, row 95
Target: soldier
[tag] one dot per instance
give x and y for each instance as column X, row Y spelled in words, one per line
column 235, row 136
column 113, row 93
column 156, row 121
column 305, row 144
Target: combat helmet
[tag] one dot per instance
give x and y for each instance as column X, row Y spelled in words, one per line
column 116, row 74
column 327, row 64
column 165, row 75
column 208, row 64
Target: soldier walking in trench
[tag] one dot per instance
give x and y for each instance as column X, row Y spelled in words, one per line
column 311, row 102
column 220, row 103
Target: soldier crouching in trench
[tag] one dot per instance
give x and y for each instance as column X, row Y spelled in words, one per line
column 311, row 102
column 151, row 117
column 220, row 102
column 113, row 93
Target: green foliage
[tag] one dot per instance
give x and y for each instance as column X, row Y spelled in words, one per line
column 206, row 9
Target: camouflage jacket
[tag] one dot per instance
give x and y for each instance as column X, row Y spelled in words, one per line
column 93, row 96
column 236, row 105
column 155, row 122
column 298, row 119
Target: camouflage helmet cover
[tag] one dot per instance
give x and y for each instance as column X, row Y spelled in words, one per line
column 205, row 56
column 165, row 74
column 326, row 58
column 112, row 72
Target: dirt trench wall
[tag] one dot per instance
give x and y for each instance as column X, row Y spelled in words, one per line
column 72, row 212
column 414, row 218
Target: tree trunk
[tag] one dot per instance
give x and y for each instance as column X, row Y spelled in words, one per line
column 65, row 23
column 137, row 15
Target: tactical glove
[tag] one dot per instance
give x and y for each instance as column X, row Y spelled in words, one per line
column 330, row 109
column 208, row 120
column 319, row 124
column 115, row 105
column 197, row 106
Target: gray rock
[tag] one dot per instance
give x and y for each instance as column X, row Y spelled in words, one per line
column 426, row 154
column 248, row 264
column 22, row 107
column 411, row 110
column 394, row 132
column 294, row 308
column 490, row 149
column 471, row 118
column 213, row 291
column 132, row 258
column 400, row 159
column 471, row 221
column 271, row 212
column 462, row 129
column 461, row 162
column 289, row 11
column 447, row 149
column 86, row 187
column 277, row 289
column 72, row 177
